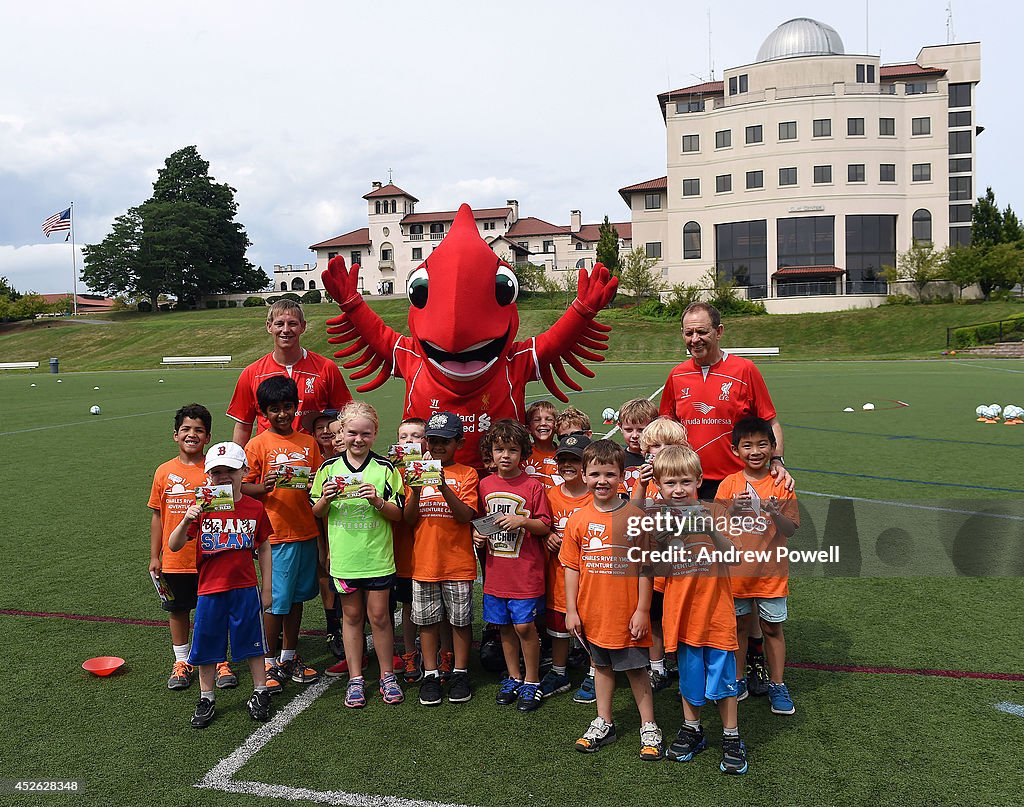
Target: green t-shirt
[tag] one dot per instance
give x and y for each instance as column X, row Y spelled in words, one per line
column 359, row 538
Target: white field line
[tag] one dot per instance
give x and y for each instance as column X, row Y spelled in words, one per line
column 987, row 367
column 615, row 428
column 1010, row 708
column 83, row 422
column 910, row 506
column 221, row 776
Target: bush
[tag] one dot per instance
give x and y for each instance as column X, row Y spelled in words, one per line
column 211, row 303
column 311, row 296
column 232, row 303
column 145, row 306
column 291, row 295
column 899, row 299
column 254, row 302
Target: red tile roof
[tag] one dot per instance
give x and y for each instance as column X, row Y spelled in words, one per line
column 659, row 184
column 706, row 88
column 389, row 190
column 449, row 215
column 801, row 271
column 592, row 232
column 908, row 70
column 534, row 226
column 356, row 238
column 90, row 301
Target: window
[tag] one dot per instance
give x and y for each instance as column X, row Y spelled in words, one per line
column 723, row 139
column 921, row 172
column 960, row 236
column 870, row 247
column 690, row 106
column 787, row 176
column 386, row 254
column 787, row 130
column 822, row 174
column 822, row 127
column 887, row 172
column 741, row 254
column 959, row 119
column 394, row 205
column 355, row 258
column 376, row 206
column 959, row 188
column 331, row 255
column 865, row 74
column 887, row 127
column 298, row 284
column 580, row 245
column 916, row 87
column 691, row 143
column 755, row 179
column 723, row 183
column 960, row 142
column 733, row 85
column 922, row 226
column 488, row 225
column 855, row 127
column 743, row 83
column 738, row 84
column 524, row 244
column 755, row 134
column 653, row 249
column 284, row 286
column 417, row 253
column 312, row 284
column 652, row 201
column 806, row 241
column 691, row 187
column 436, row 231
column 921, row 126
column 549, row 246
column 860, row 74
column 855, row 172
column 959, row 95
column 691, row 241
column 959, row 165
column 415, row 232
column 959, row 214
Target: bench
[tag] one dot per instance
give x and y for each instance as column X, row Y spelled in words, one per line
column 196, row 360
column 752, row 351
column 19, row 365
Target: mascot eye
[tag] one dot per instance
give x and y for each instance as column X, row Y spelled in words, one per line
column 418, row 283
column 506, row 287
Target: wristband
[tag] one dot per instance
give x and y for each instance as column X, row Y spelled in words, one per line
column 781, row 460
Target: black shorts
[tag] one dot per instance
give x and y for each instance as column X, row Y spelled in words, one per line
column 349, row 585
column 184, row 586
column 657, row 605
column 401, row 591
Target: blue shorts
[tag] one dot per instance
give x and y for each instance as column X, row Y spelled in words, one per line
column 507, row 611
column 706, row 674
column 238, row 613
column 295, row 576
column 771, row 609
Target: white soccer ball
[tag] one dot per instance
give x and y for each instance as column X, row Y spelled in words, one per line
column 95, row 387
column 94, row 410
column 848, row 409
column 609, row 414
column 161, row 381
column 980, row 411
column 31, row 385
column 868, row 407
column 997, row 409
column 59, row 381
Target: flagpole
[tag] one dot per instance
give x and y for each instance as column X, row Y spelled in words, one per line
column 74, row 264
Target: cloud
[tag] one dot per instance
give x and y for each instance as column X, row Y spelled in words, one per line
column 43, row 268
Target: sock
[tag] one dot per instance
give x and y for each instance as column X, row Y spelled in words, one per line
column 693, row 724
column 272, row 660
column 333, row 622
column 208, row 695
column 532, row 683
column 354, row 678
column 180, row 651
column 558, row 670
column 659, row 665
column 262, row 688
column 755, row 647
column 592, row 672
column 287, row 655
column 733, row 732
column 458, row 671
column 431, row 674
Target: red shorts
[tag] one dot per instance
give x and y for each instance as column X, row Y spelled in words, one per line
column 556, row 624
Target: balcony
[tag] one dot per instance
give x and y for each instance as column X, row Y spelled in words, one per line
column 415, row 236
column 436, row 236
column 385, row 265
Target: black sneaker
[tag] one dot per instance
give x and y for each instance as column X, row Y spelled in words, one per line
column 336, row 644
column 508, row 691
column 203, row 715
column 688, row 743
column 259, row 706
column 530, row 698
column 757, row 676
column 459, row 690
column 659, row 680
column 734, row 756
column 578, row 658
column 430, row 691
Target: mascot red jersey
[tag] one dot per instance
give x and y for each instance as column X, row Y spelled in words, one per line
column 461, row 356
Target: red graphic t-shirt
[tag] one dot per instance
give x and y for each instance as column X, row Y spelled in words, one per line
column 224, row 545
column 515, row 558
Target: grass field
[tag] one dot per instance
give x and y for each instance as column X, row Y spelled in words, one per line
column 914, row 480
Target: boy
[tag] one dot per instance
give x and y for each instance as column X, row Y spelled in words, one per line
column 229, row 602
column 634, row 416
column 272, row 455
column 761, row 585
column 410, row 430
column 563, row 500
column 699, row 621
column 444, row 564
column 572, row 420
column 540, row 421
column 514, row 578
column 174, row 485
column 608, row 597
column 319, row 426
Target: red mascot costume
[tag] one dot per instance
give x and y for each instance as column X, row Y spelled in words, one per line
column 461, row 356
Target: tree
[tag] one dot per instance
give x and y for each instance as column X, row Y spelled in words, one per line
column 1001, row 267
column 637, row 274
column 963, row 266
column 1012, row 231
column 608, row 246
column 921, row 264
column 14, row 305
column 986, row 221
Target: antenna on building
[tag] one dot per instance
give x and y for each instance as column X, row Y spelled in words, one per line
column 711, row 57
column 867, row 29
column 950, row 33
column 389, row 176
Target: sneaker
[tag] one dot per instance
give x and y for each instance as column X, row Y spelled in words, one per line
column 341, row 668
column 586, row 693
column 734, row 756
column 181, row 675
column 275, row 677
column 226, row 678
column 296, row 669
column 782, row 703
column 411, row 667
column 430, row 691
column 659, row 680
column 508, row 691
column 741, row 690
column 687, row 744
column 259, row 706
column 336, row 644
column 445, row 665
column 390, row 691
column 203, row 715
column 529, row 698
column 757, row 676
column 651, row 747
column 598, row 734
column 459, row 690
column 355, row 695
column 554, row 684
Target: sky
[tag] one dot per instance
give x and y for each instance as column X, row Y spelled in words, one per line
column 300, row 106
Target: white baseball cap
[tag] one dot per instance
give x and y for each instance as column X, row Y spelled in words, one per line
column 226, row 455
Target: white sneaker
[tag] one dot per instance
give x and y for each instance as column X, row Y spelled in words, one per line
column 651, row 746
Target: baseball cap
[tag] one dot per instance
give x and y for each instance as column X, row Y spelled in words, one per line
column 573, row 444
column 310, row 418
column 227, row 455
column 444, row 424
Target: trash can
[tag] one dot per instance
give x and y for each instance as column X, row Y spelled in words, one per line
column 54, row 365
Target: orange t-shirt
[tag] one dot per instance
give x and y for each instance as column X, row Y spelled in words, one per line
column 595, row 544
column 541, row 465
column 442, row 548
column 289, row 510
column 765, row 577
column 403, row 548
column 174, row 490
column 562, row 506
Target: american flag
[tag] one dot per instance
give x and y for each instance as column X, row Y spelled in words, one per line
column 57, row 222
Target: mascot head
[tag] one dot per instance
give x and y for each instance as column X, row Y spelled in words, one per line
column 463, row 310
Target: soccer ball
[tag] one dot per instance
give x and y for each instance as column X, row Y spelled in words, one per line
column 609, row 415
column 94, row 410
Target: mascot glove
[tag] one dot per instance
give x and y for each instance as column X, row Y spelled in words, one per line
column 342, row 284
column 595, row 290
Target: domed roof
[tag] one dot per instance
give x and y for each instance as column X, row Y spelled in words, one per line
column 801, row 37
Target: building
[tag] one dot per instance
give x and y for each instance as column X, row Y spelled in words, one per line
column 398, row 239
column 802, row 175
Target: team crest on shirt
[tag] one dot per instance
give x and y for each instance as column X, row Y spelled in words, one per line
column 484, row 422
column 726, row 389
column 485, row 400
column 309, row 385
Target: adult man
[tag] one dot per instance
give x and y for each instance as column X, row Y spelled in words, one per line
column 321, row 385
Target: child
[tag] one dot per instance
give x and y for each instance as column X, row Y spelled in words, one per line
column 563, row 500
column 514, row 579
column 410, row 430
column 272, row 454
column 761, row 585
column 608, row 596
column 699, row 619
column 634, row 416
column 360, row 496
column 540, row 421
column 444, row 564
column 229, row 602
column 173, row 491
column 319, row 426
column 572, row 420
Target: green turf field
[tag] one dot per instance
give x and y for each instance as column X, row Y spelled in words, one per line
column 75, row 537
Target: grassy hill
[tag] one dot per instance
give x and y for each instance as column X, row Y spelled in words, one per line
column 132, row 340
